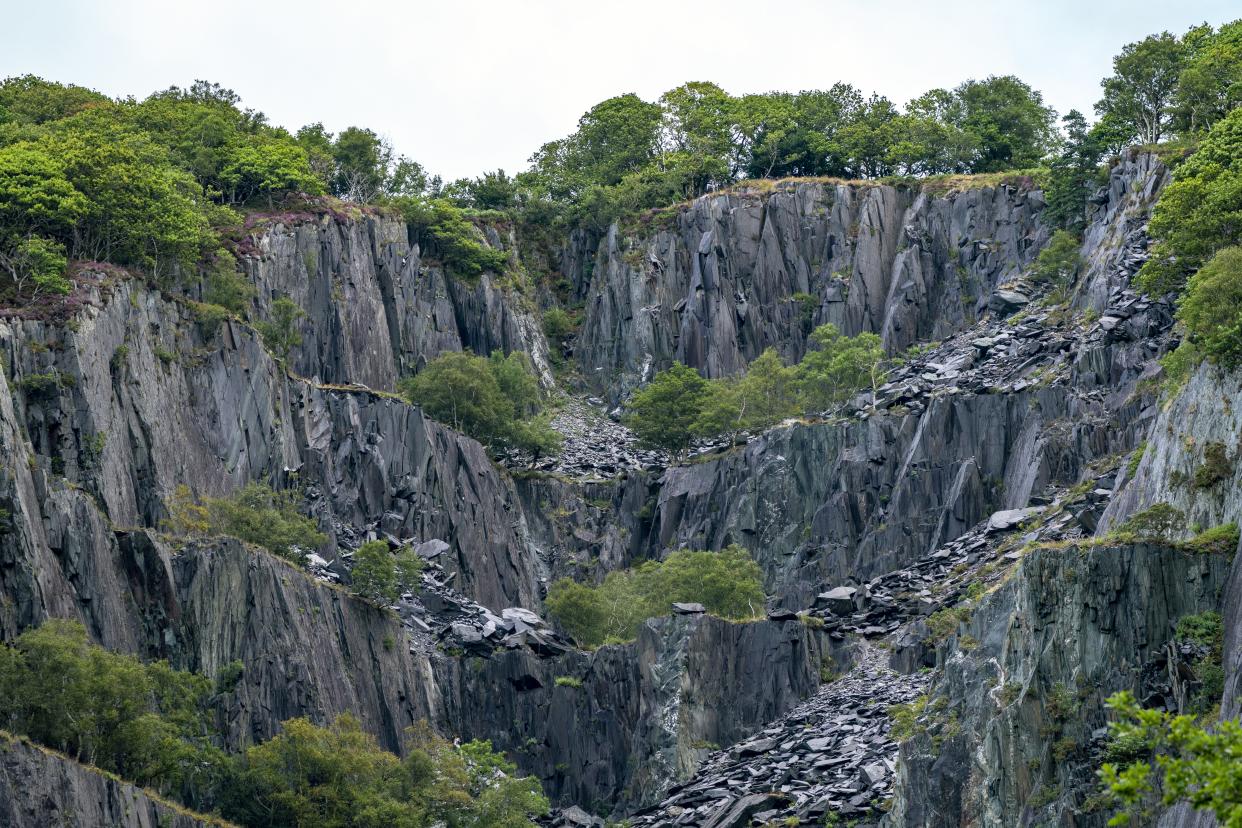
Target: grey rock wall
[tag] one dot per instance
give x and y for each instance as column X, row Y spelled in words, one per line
column 713, row 287
column 42, row 789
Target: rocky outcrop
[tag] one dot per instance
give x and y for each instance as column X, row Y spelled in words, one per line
column 1017, row 723
column 43, row 789
column 626, row 721
column 306, row 649
column 1115, row 240
column 376, row 308
column 1190, row 458
column 985, row 421
column 730, row 275
column 137, row 399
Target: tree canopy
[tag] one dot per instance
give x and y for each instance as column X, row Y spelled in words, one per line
column 495, row 399
column 727, row 583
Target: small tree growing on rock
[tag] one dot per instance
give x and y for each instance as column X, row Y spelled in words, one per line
column 374, row 573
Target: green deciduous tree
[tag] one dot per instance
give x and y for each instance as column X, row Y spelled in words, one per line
column 1006, row 120
column 28, row 99
column 1140, row 92
column 727, row 583
column 495, row 399
column 145, row 722
column 281, row 333
column 1211, row 308
column 1057, row 263
column 1199, row 212
column 268, row 168
column 663, row 412
column 838, row 366
column 1210, row 84
column 374, row 573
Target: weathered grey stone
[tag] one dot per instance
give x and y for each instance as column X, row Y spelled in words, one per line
column 42, row 789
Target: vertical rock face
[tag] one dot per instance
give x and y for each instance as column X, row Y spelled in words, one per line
column 42, row 789
column 626, row 721
column 375, row 309
column 734, row 274
column 1018, row 741
column 1190, row 457
column 1000, row 423
column 1115, row 241
column 143, row 401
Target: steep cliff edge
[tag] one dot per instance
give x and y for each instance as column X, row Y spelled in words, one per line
column 376, row 310
column 41, row 789
column 1006, row 429
column 714, row 284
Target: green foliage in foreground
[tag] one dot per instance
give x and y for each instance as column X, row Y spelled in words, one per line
column 1200, row 212
column 378, row 575
column 494, row 399
column 311, row 776
column 150, row 724
column 1211, row 308
column 1180, row 761
column 145, row 722
column 254, row 514
column 727, row 583
column 678, row 405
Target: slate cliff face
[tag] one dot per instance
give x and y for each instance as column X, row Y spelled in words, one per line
column 375, row 309
column 716, row 285
column 975, row 478
column 143, row 400
column 41, row 789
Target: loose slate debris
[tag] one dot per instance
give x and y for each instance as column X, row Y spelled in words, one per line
column 832, row 753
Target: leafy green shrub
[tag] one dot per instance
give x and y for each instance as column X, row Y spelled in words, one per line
column 209, row 317
column 374, row 573
column 494, row 399
column 1211, row 308
column 1158, row 522
column 449, row 236
column 1216, row 466
column 1219, row 540
column 558, row 325
column 568, row 681
column 254, row 514
column 905, row 719
column 805, row 305
column 1057, row 263
column 1207, row 629
column 1135, row 458
column 1178, row 365
column 944, row 623
column 228, row 289
column 727, row 583
column 280, row 333
column 42, row 386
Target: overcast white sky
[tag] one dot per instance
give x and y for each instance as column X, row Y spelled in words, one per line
column 470, row 85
